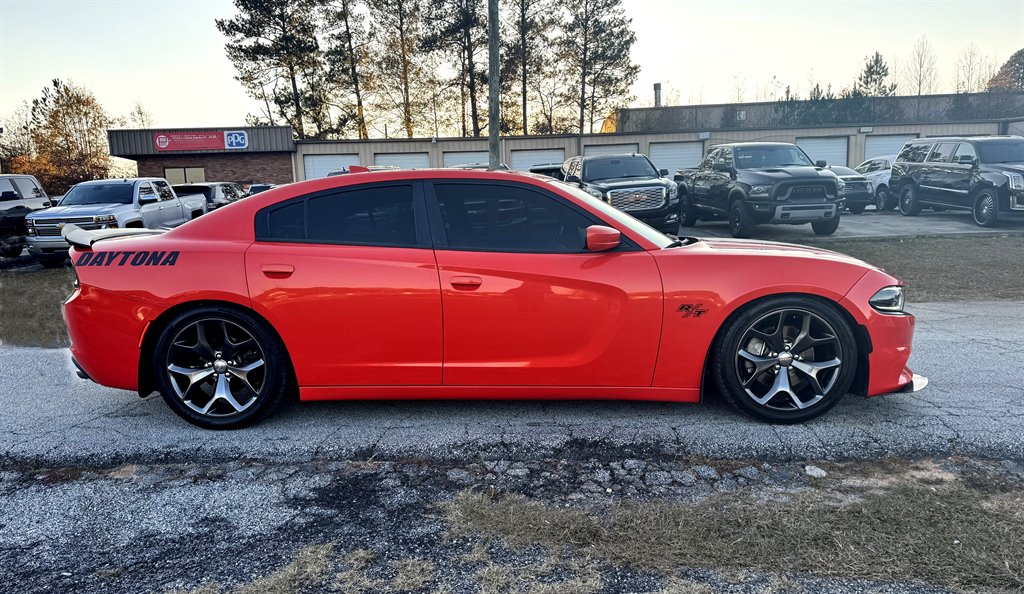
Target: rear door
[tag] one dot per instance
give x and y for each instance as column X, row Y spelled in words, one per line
column 150, row 206
column 936, row 174
column 961, row 170
column 525, row 304
column 172, row 211
column 348, row 278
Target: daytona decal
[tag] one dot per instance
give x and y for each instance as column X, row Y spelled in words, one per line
column 129, row 258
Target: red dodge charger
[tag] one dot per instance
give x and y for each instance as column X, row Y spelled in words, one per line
column 472, row 284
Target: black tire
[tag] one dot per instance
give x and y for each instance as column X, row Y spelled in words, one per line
column 244, row 341
column 11, row 251
column 52, row 262
column 857, row 208
column 741, row 220
column 984, row 210
column 909, row 205
column 827, row 226
column 882, row 199
column 755, row 387
column 688, row 214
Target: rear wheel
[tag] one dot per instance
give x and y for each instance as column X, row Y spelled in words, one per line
column 909, row 206
column 741, row 220
column 985, row 209
column 826, row 227
column 220, row 368
column 786, row 359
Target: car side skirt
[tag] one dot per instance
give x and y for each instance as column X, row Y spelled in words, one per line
column 312, row 393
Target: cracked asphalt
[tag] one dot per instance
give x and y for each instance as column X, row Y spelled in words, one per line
column 973, row 354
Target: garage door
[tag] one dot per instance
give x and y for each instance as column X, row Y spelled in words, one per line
column 403, row 160
column 465, row 157
column 609, row 149
column 832, row 150
column 885, row 145
column 523, row 159
column 316, row 166
column 676, row 155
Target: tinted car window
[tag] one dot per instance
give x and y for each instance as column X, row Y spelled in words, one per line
column 942, row 152
column 7, row 190
column 914, row 152
column 374, row 216
column 964, row 149
column 164, row 190
column 287, row 222
column 770, row 156
column 28, row 188
column 617, row 167
column 503, row 218
column 1002, row 151
column 146, row 191
column 186, row 190
column 115, row 193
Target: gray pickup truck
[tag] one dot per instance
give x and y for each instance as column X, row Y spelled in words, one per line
column 144, row 202
column 19, row 195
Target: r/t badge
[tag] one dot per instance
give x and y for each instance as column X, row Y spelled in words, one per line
column 692, row 310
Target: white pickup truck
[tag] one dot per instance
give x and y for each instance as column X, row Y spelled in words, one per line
column 144, row 202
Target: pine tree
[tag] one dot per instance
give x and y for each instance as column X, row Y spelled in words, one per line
column 872, row 81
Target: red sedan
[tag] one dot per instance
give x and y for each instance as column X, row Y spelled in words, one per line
column 472, row 284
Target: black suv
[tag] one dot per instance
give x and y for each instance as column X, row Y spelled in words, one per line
column 761, row 182
column 984, row 175
column 630, row 183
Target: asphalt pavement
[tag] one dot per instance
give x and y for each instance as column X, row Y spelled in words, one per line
column 973, row 354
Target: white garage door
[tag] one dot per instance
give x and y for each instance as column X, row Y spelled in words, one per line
column 316, row 166
column 465, row 157
column 403, row 160
column 885, row 145
column 523, row 159
column 609, row 149
column 832, row 150
column 676, row 155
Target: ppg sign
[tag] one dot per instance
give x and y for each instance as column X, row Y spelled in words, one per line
column 236, row 139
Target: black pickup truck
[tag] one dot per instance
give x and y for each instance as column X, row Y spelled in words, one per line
column 752, row 183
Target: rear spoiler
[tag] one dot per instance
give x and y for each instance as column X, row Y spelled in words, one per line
column 81, row 238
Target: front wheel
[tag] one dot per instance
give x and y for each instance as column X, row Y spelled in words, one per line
column 985, row 209
column 741, row 220
column 827, row 226
column 909, row 206
column 857, row 208
column 786, row 359
column 220, row 368
column 882, row 201
column 687, row 211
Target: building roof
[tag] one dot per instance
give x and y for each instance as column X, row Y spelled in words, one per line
column 141, row 142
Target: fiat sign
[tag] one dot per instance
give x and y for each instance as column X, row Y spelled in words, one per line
column 201, row 141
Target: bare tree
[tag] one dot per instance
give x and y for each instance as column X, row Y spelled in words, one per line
column 973, row 70
column 139, row 117
column 919, row 75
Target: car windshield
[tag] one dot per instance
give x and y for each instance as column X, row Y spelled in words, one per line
column 617, row 167
column 760, row 157
column 623, row 219
column 116, row 193
column 1003, row 151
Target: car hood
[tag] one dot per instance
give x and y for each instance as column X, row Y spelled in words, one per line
column 629, row 182
column 1008, row 167
column 756, row 247
column 778, row 174
column 79, row 210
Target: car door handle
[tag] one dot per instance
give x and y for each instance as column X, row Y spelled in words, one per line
column 468, row 282
column 277, row 270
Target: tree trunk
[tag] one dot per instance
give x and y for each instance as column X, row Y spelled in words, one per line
column 523, row 57
column 360, row 117
column 406, row 99
column 467, row 38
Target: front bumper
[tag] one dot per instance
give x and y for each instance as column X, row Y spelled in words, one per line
column 859, row 197
column 47, row 247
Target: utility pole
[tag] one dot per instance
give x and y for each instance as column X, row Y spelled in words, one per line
column 493, row 119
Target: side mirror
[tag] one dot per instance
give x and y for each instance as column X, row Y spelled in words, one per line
column 663, row 172
column 150, row 199
column 965, row 160
column 723, row 167
column 572, row 179
column 47, row 203
column 602, row 239
column 821, row 164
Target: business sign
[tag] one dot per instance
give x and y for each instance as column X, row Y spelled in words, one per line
column 201, row 141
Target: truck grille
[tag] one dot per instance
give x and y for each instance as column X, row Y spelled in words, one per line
column 806, row 192
column 637, row 198
column 856, row 185
column 52, row 227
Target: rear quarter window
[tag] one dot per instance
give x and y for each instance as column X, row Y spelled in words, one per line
column 915, row 152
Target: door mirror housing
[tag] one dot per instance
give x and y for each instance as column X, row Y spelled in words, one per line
column 723, row 167
column 965, row 160
column 602, row 239
column 821, row 163
column 572, row 179
column 663, row 172
column 150, row 199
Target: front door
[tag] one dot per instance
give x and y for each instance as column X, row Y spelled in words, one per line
column 348, row 279
column 525, row 304
column 150, row 206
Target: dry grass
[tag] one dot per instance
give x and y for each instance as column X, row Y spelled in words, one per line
column 949, row 534
column 308, row 571
column 946, row 269
column 30, row 307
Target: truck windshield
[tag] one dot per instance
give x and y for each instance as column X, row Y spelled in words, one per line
column 617, row 167
column 760, row 157
column 119, row 193
column 1002, row 151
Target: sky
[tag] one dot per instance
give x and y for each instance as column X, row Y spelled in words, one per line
column 168, row 54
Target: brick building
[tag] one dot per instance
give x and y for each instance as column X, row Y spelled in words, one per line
column 244, row 154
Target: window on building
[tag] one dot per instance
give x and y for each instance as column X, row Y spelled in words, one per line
column 185, row 175
column 505, row 218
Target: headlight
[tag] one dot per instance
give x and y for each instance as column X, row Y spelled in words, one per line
column 871, row 187
column 1016, row 181
column 888, row 300
column 841, row 183
column 105, row 219
column 673, row 189
column 760, row 190
column 595, row 193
